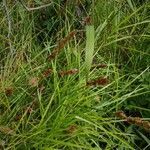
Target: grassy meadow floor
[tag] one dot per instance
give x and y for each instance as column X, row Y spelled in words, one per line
column 74, row 75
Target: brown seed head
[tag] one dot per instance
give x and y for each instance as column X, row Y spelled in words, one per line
column 71, row 129
column 9, row 91
column 121, row 115
column 33, row 82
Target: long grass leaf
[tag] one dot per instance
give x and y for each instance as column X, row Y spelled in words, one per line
column 89, row 47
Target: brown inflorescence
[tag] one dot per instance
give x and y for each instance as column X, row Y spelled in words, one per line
column 33, row 81
column 68, row 72
column 121, row 114
column 47, row 72
column 27, row 109
column 18, row 117
column 9, row 91
column 99, row 81
column 71, row 129
column 134, row 120
column 61, row 45
column 62, row 73
column 88, row 20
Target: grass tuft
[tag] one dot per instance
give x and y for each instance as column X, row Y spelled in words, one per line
column 64, row 78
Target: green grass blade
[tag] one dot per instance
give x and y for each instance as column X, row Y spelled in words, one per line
column 89, row 47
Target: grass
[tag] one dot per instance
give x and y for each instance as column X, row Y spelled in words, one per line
column 89, row 50
column 62, row 81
